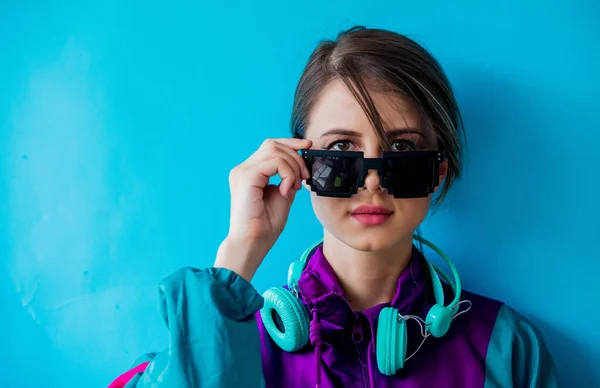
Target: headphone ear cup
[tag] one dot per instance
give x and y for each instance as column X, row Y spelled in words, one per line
column 294, row 317
column 391, row 341
column 438, row 320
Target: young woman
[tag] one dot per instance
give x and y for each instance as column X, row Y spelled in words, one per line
column 376, row 134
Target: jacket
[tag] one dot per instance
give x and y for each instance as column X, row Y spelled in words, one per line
column 217, row 338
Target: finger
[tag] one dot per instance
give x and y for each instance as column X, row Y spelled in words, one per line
column 272, row 147
column 275, row 149
column 296, row 144
column 298, row 158
column 296, row 161
column 277, row 165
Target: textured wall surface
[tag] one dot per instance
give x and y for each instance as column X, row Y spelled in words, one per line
column 120, row 120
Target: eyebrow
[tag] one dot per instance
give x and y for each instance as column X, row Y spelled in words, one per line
column 390, row 133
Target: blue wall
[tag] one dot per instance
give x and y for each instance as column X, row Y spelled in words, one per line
column 120, row 121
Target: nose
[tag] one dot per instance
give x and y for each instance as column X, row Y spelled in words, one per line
column 372, row 181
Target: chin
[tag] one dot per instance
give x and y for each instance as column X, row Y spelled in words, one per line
column 370, row 240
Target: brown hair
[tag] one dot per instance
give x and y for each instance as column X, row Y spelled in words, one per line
column 387, row 62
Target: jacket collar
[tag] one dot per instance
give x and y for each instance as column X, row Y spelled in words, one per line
column 321, row 291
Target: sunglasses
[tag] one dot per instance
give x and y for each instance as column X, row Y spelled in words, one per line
column 340, row 174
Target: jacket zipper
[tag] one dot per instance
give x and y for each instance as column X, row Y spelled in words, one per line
column 357, row 338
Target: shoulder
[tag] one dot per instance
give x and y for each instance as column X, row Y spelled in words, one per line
column 516, row 336
column 516, row 353
column 506, row 327
column 512, row 324
column 477, row 316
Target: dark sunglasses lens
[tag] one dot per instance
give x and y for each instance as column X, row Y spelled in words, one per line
column 331, row 174
column 410, row 175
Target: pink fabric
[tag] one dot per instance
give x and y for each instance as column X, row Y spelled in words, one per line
column 122, row 380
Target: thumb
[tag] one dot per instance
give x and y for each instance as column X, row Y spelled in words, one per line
column 291, row 195
column 276, row 202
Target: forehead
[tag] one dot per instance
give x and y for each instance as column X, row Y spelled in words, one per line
column 336, row 107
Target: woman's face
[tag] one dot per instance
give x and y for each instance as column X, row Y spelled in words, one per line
column 337, row 122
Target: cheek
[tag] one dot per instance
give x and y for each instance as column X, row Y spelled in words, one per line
column 412, row 211
column 326, row 209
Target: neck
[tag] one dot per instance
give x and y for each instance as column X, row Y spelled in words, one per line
column 368, row 278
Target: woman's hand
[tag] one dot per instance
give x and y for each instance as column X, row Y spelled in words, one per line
column 259, row 210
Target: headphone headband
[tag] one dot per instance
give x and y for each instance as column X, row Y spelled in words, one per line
column 456, row 284
column 296, row 268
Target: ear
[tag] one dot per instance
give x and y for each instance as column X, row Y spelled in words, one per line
column 443, row 173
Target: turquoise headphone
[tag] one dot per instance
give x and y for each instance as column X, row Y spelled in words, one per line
column 391, row 341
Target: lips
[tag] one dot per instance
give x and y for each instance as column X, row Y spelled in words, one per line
column 368, row 209
column 368, row 215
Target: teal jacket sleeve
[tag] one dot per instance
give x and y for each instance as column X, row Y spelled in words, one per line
column 213, row 336
column 517, row 355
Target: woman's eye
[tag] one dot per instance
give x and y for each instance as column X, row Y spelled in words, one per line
column 342, row 145
column 403, row 145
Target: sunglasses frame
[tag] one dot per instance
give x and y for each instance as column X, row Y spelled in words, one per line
column 373, row 164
